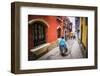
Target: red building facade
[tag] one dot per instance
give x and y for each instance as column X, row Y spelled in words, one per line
column 50, row 27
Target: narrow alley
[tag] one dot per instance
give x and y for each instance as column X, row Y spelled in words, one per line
column 46, row 32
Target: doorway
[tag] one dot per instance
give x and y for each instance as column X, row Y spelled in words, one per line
column 59, row 32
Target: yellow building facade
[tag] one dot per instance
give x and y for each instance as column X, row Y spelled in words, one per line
column 84, row 31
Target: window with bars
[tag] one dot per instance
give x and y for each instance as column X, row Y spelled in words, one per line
column 38, row 33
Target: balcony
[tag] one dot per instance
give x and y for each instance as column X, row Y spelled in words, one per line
column 59, row 18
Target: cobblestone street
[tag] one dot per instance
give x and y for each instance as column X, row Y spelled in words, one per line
column 74, row 51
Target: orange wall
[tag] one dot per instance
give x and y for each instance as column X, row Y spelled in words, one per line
column 52, row 30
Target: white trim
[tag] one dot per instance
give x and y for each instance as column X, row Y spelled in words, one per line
column 58, row 27
column 25, row 64
column 41, row 20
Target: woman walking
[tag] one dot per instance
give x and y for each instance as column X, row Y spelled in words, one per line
column 62, row 46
